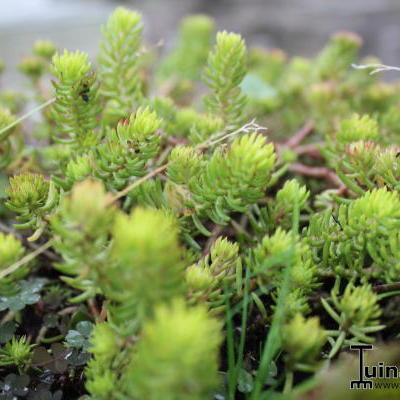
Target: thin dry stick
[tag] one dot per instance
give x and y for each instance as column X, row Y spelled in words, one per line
column 245, row 128
column 44, row 247
column 125, row 191
column 27, row 115
column 34, row 246
column 375, row 68
column 25, row 260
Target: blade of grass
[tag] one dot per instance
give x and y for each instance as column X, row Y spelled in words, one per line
column 273, row 341
column 233, row 374
column 27, row 115
column 230, row 342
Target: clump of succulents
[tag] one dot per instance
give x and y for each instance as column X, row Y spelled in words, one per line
column 212, row 255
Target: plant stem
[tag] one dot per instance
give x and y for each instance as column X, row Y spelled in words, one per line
column 288, row 382
column 338, row 344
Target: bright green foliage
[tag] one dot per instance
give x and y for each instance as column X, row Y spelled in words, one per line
column 204, row 128
column 268, row 63
column 337, row 56
column 186, row 164
column 119, row 62
column 368, row 226
column 212, row 279
column 225, row 71
column 176, row 357
column 139, row 257
column 76, row 108
column 33, row 198
column 105, row 346
column 33, row 66
column 360, row 156
column 77, row 170
column 125, row 152
column 82, row 225
column 11, row 250
column 101, row 379
column 16, row 352
column 303, row 340
column 279, row 211
column 234, row 178
column 157, row 213
column 44, row 48
column 190, row 54
column 356, row 314
column 269, row 259
column 357, row 128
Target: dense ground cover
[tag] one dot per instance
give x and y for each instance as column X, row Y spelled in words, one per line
column 218, row 222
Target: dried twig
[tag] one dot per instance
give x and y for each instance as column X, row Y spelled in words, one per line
column 33, row 246
column 24, row 260
column 251, row 126
column 375, row 68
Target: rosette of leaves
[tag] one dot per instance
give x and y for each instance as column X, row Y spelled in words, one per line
column 138, row 258
column 176, row 356
column 124, row 154
column 107, row 349
column 119, row 61
column 16, row 352
column 81, row 226
column 234, row 178
column 279, row 211
column 33, row 198
column 268, row 260
column 366, row 227
column 302, row 340
column 352, row 152
column 216, row 277
column 11, row 251
column 357, row 314
column 76, row 170
column 337, row 56
column 77, row 106
column 226, row 68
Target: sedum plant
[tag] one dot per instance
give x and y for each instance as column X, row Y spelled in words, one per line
column 119, row 63
column 356, row 313
column 11, row 250
column 226, row 68
column 185, row 368
column 76, row 105
column 81, row 228
column 16, row 352
column 33, row 198
column 225, row 240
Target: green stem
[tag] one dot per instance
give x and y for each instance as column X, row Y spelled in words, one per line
column 288, row 382
column 338, row 344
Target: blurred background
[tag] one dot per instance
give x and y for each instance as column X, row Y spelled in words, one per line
column 298, row 26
